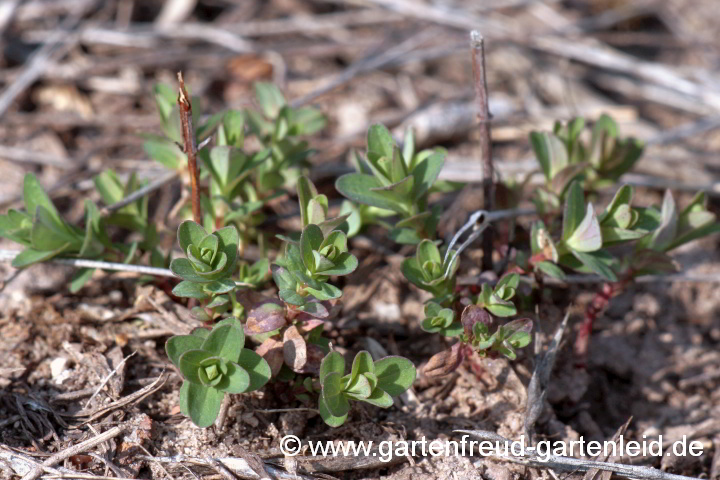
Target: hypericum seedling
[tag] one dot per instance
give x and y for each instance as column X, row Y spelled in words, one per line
column 473, row 328
column 391, row 189
column 320, row 253
column 564, row 156
column 373, row 382
column 213, row 363
column 240, row 181
column 428, row 270
column 585, row 236
column 398, row 181
column 46, row 235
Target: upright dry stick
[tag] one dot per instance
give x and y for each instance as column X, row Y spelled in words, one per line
column 477, row 47
column 190, row 146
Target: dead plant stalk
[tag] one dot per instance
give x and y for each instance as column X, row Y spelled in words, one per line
column 477, row 48
column 190, row 146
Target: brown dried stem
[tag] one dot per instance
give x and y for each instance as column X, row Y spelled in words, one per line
column 190, row 146
column 477, row 46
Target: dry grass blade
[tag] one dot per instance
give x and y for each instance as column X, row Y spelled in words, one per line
column 595, row 473
column 238, row 466
column 74, row 450
column 537, row 388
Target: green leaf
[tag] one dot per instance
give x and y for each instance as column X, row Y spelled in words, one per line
column 270, row 98
column 29, row 256
column 257, row 368
column 325, row 292
column 501, row 308
column 394, row 374
column 693, row 235
column 306, row 121
column 291, row 297
column 189, row 363
column 511, row 280
column 425, row 173
column 379, row 398
column 165, row 152
column 229, row 239
column 306, row 191
column 332, row 393
column 35, row 196
column 183, row 398
column 188, row 289
column 190, row 233
column 363, row 363
column 574, row 211
column 327, row 416
column 666, row 232
column 596, row 263
column 109, row 187
column 236, row 380
column 80, row 278
column 207, row 128
column 427, row 251
column 203, row 404
column 550, row 152
column 332, row 363
column 623, row 196
column 183, row 268
column 310, row 239
column 179, row 344
column 359, row 388
column 47, row 234
column 226, row 340
column 218, row 287
column 344, row 264
column 234, row 128
column 549, row 268
column 380, row 141
column 362, row 188
column 611, row 235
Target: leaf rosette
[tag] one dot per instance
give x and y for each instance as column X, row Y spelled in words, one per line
column 213, row 363
column 428, row 271
column 373, row 382
column 309, row 263
column 211, row 260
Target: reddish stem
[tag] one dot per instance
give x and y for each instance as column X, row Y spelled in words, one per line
column 190, row 147
column 597, row 305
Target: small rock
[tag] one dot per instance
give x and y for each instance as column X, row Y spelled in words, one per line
column 58, row 371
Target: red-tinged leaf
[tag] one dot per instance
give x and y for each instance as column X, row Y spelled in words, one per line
column 473, row 314
column 272, row 351
column 295, row 350
column 265, row 318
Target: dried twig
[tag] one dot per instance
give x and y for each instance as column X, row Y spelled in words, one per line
column 107, row 379
column 238, row 466
column 190, row 146
column 130, row 399
column 559, row 462
column 9, row 255
column 56, row 45
column 74, row 450
column 477, row 46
